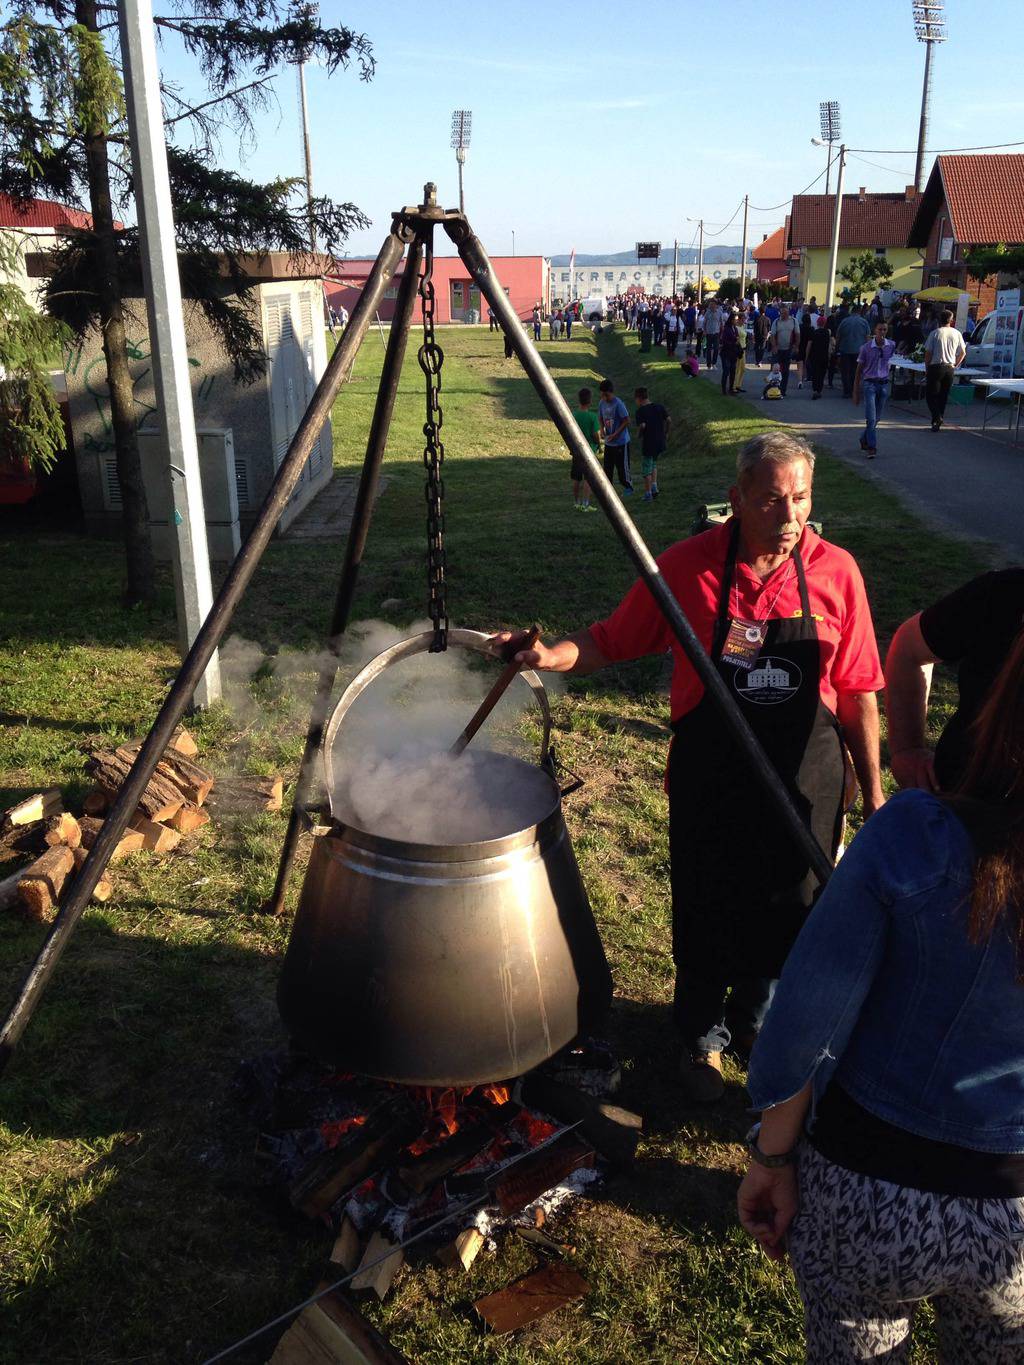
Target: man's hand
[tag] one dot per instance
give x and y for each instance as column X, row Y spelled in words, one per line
column 767, row 1203
column 513, row 644
column 914, row 768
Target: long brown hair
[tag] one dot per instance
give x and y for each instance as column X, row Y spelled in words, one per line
column 989, row 798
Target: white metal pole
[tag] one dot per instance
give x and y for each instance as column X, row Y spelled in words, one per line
column 836, row 219
column 675, row 265
column 193, row 587
column 700, row 265
column 828, row 166
column 922, row 132
column 743, row 261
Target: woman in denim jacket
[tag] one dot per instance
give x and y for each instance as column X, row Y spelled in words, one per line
column 898, row 1027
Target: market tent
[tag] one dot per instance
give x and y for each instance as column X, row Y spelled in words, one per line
column 939, row 293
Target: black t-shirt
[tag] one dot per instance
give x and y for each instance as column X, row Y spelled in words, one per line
column 974, row 627
column 652, row 420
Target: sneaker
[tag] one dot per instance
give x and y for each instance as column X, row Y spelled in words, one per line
column 702, row 1077
column 648, row 496
column 627, row 492
column 655, row 489
column 588, row 507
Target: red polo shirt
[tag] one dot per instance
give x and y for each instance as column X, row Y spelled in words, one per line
column 693, row 569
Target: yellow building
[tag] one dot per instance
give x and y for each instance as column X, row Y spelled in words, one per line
column 879, row 223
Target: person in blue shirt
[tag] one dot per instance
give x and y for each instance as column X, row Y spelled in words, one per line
column 890, row 1072
column 614, row 417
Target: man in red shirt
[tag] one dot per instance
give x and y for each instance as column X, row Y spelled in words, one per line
column 785, row 618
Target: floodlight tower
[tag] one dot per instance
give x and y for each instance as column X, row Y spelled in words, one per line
column 831, row 131
column 930, row 28
column 462, row 127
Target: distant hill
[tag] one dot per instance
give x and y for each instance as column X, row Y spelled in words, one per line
column 713, row 255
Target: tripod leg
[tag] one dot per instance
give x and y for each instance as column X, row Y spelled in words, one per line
column 475, row 258
column 209, row 637
column 356, row 544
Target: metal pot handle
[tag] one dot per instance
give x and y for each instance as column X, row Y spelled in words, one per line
column 475, row 640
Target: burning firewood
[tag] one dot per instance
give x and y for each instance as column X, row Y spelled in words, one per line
column 532, row 1297
column 538, row 1171
column 383, row 1134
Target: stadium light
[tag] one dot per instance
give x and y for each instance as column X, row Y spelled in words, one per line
column 462, row 128
column 929, row 28
column 831, row 131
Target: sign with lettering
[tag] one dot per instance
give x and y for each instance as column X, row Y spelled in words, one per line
column 648, row 251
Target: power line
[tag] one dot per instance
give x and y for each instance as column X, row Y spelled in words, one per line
column 891, row 170
column 935, row 151
column 770, row 208
column 725, row 225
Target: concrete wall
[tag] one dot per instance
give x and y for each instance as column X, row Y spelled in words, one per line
column 218, row 400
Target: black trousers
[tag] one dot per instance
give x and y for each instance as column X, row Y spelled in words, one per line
column 848, row 371
column 711, row 349
column 616, row 461
column 671, row 341
column 728, row 373
column 938, row 382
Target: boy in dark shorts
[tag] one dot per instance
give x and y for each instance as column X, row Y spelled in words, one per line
column 653, row 422
column 588, row 423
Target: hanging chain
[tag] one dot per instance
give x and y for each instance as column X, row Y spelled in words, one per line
column 431, row 359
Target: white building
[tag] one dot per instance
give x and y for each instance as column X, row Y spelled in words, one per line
column 608, row 278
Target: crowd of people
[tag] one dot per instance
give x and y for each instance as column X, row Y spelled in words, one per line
column 881, row 1017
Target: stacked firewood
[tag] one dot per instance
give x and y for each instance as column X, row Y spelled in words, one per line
column 170, row 806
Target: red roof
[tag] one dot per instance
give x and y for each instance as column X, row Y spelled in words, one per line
column 40, row 213
column 867, row 220
column 773, row 248
column 984, row 195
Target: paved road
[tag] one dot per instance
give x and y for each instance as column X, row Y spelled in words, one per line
column 961, row 479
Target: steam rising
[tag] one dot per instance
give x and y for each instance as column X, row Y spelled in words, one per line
column 391, row 770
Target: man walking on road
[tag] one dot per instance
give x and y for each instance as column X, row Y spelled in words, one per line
column 785, row 334
column 712, row 333
column 944, row 350
column 851, row 334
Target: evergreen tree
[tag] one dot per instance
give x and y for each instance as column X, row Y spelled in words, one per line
column 63, row 135
column 31, row 426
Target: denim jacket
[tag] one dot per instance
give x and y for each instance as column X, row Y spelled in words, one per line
column 884, row 990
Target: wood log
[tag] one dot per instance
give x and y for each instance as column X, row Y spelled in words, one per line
column 96, row 802
column 333, row 1332
column 131, row 841
column 9, row 889
column 379, row 1274
column 194, row 782
column 614, row 1131
column 347, row 1251
column 246, row 795
column 159, row 800
column 464, row 1250
column 419, row 1173
column 532, row 1297
column 539, row 1171
column 189, row 819
column 40, row 883
column 181, row 742
column 104, row 888
column 63, row 829
column 34, row 808
column 156, row 837
column 388, row 1128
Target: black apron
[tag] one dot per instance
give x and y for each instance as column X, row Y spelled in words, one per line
column 741, row 887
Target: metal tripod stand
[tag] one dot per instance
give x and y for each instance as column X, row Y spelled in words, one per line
column 411, row 227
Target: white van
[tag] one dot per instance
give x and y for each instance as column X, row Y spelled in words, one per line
column 594, row 308
column 982, row 343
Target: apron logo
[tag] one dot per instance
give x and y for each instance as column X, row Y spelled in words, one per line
column 771, row 682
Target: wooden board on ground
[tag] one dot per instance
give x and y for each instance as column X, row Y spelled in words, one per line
column 532, row 1297
column 382, row 1260
column 333, row 1330
column 347, row 1251
column 156, row 837
column 463, row 1251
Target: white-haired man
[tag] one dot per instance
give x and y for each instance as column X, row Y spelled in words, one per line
column 784, row 617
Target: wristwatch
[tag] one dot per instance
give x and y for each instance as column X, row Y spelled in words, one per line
column 762, row 1158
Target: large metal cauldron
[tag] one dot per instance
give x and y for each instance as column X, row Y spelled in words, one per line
column 444, row 964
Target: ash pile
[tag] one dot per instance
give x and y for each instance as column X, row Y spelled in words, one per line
column 450, row 1171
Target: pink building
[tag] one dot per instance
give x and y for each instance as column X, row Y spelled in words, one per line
column 526, row 280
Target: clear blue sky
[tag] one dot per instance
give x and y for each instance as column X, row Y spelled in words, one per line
column 597, row 124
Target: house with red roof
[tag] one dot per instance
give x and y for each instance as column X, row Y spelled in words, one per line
column 879, row 223
column 970, row 200
column 33, row 225
column 773, row 257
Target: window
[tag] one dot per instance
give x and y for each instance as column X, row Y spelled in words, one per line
column 933, row 277
column 879, row 250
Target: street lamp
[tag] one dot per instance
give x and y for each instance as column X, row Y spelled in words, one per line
column 930, row 28
column 831, row 130
column 837, row 215
column 462, row 127
column 513, row 241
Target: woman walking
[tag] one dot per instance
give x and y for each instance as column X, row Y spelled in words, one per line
column 728, row 354
column 819, row 348
column 901, row 1007
column 872, row 378
column 806, row 328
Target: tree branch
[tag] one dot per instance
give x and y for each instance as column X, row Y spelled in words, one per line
column 192, row 110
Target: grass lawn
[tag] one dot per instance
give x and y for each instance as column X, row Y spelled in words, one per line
column 132, row 1223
